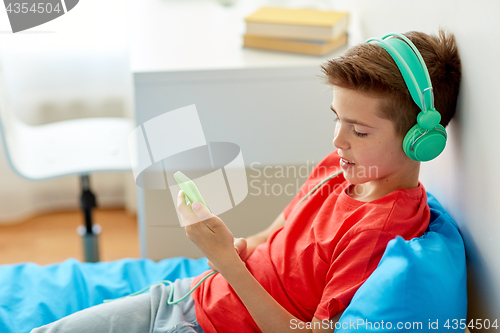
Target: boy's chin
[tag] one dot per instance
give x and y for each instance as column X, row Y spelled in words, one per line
column 356, row 180
column 360, row 174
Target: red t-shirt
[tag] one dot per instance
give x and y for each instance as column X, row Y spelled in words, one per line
column 328, row 247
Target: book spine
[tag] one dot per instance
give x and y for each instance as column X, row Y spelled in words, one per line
column 279, row 44
column 295, row 31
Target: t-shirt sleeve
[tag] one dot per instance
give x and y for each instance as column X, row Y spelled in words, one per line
column 351, row 265
column 325, row 164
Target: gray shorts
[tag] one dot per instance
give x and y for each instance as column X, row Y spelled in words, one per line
column 145, row 313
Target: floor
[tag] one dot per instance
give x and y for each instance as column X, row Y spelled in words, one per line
column 52, row 237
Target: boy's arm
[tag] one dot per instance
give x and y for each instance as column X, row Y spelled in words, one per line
column 257, row 239
column 216, row 241
column 267, row 313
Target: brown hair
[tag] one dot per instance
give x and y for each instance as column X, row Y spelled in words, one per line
column 368, row 68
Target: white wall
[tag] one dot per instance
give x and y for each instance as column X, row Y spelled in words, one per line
column 465, row 178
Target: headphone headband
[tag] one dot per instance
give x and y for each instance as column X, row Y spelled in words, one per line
column 417, row 53
column 410, row 64
column 427, row 138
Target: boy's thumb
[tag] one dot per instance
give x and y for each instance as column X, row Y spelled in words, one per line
column 240, row 244
column 201, row 210
column 196, row 206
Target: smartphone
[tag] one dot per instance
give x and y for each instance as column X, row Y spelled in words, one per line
column 189, row 188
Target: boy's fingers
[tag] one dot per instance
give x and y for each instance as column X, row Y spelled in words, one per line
column 181, row 203
column 182, row 207
column 196, row 212
column 186, row 212
column 240, row 244
column 201, row 211
column 203, row 214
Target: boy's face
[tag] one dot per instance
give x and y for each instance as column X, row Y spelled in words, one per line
column 370, row 149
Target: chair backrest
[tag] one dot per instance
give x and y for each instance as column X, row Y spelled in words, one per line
column 10, row 126
column 71, row 147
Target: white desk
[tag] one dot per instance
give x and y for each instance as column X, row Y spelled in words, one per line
column 272, row 104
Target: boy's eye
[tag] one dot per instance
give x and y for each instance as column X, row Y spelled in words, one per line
column 361, row 135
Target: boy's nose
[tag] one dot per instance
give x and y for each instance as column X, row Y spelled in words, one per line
column 339, row 140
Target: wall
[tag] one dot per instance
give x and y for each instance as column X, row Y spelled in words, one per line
column 465, row 177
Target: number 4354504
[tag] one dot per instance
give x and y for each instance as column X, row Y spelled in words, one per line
column 472, row 324
column 38, row 8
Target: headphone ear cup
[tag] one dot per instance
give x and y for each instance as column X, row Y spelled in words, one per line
column 422, row 146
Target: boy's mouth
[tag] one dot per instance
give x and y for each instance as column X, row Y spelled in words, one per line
column 345, row 164
column 346, row 161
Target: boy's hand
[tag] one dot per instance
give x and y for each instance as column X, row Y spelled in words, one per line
column 240, row 245
column 246, row 246
column 208, row 232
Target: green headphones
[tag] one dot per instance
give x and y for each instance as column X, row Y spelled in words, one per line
column 426, row 139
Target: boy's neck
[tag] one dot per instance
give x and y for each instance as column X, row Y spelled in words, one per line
column 407, row 178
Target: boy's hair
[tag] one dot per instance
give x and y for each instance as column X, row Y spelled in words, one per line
column 369, row 68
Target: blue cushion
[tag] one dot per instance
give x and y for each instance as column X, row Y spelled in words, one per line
column 33, row 295
column 422, row 280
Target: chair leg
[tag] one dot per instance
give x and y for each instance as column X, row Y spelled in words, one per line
column 88, row 232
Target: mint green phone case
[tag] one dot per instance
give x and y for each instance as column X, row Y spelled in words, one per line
column 189, row 188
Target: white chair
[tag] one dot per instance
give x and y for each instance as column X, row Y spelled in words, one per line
column 73, row 147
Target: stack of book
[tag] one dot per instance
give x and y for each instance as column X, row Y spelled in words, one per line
column 305, row 31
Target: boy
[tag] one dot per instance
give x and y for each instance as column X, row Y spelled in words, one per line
column 307, row 265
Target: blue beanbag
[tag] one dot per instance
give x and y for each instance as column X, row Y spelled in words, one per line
column 418, row 281
column 419, row 285
column 33, row 295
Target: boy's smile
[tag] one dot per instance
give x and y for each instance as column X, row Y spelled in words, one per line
column 371, row 153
